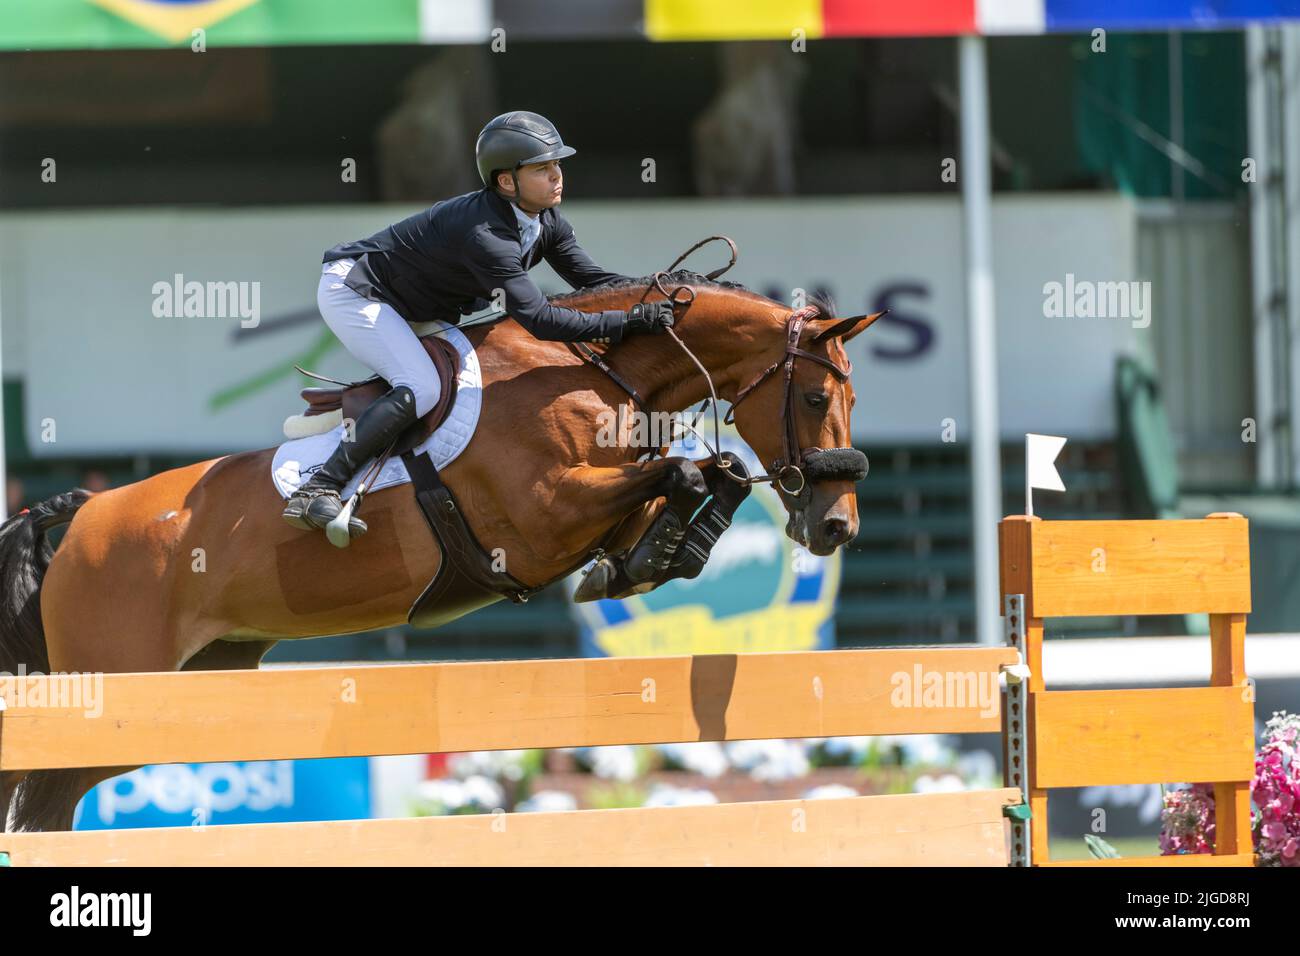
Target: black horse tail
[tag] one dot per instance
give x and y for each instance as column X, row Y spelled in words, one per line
column 25, row 553
column 41, row 799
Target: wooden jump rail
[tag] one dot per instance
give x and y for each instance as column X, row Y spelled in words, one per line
column 1052, row 738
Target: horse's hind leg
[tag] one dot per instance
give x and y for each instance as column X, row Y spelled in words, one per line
column 46, row 800
column 225, row 655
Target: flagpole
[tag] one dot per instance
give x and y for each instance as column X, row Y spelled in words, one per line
column 981, row 344
column 1029, row 486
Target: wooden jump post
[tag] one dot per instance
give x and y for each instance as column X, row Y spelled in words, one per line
column 1094, row 738
column 1055, row 738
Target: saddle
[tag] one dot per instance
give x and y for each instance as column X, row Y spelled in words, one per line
column 467, row 578
column 352, row 399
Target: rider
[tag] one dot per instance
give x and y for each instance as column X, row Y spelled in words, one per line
column 445, row 262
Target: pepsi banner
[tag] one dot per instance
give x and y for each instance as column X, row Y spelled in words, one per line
column 260, row 791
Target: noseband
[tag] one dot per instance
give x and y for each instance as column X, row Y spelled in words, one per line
column 809, row 464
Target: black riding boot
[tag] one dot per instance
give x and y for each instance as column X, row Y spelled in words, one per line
column 316, row 503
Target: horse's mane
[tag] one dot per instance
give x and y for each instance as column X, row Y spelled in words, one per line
column 680, row 277
column 822, row 300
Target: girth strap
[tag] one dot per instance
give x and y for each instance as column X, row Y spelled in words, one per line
column 465, row 580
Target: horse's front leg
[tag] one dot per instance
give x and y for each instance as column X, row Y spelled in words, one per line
column 666, row 550
column 583, row 504
column 682, row 486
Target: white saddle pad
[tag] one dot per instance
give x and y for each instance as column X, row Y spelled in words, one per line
column 298, row 459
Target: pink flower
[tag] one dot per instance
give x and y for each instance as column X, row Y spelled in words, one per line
column 1187, row 820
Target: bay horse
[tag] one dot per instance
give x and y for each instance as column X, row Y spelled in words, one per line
column 194, row 569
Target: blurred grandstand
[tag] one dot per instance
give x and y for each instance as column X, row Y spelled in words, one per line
column 1169, row 156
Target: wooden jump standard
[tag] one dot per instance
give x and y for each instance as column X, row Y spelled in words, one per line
column 1052, row 738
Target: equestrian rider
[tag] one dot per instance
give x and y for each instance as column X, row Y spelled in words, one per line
column 447, row 262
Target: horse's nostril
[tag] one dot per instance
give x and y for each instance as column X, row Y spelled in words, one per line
column 835, row 530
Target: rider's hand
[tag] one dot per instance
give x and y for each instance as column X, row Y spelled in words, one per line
column 649, row 317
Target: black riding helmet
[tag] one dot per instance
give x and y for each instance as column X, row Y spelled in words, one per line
column 517, row 139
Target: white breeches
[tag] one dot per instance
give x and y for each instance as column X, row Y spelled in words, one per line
column 377, row 336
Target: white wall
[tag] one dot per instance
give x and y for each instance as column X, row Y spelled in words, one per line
column 78, row 325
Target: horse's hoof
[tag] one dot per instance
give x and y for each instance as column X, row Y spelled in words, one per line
column 595, row 585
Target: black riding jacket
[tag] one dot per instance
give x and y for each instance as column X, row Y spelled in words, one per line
column 445, row 262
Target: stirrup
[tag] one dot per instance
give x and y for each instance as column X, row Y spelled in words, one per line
column 345, row 526
column 314, row 508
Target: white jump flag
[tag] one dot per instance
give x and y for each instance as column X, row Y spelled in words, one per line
column 1040, row 467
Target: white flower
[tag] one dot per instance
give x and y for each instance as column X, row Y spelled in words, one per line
column 706, row 757
column 485, row 792
column 611, row 763
column 770, row 759
column 829, row 791
column 480, row 792
column 666, row 795
column 547, row 801
column 947, row 783
column 492, row 763
column 446, row 792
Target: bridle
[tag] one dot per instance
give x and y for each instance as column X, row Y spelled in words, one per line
column 811, row 465
column 794, row 459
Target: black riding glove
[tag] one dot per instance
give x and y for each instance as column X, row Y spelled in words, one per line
column 648, row 317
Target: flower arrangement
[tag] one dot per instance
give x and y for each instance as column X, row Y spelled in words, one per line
column 1276, row 791
column 1187, row 820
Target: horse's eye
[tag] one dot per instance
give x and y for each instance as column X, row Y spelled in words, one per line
column 814, row 399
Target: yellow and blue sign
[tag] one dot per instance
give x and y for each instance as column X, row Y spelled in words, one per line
column 174, row 19
column 759, row 591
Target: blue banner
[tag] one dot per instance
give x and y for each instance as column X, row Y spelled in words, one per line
column 257, row 791
column 1066, row 16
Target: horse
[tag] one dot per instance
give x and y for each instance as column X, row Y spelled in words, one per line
column 193, row 568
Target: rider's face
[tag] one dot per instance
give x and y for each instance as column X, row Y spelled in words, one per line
column 540, row 185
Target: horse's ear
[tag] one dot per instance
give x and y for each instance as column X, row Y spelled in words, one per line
column 848, row 327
